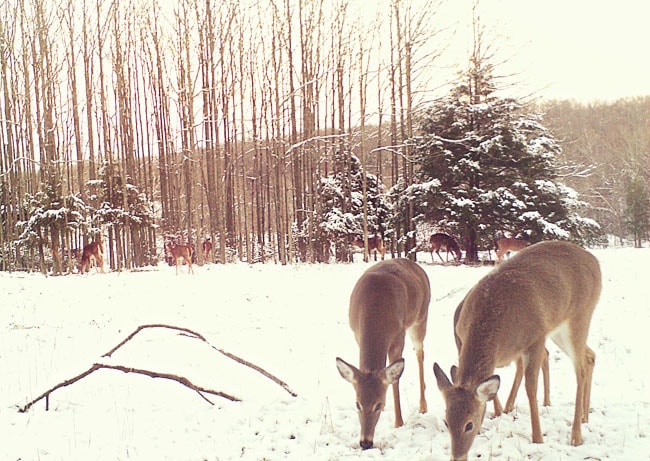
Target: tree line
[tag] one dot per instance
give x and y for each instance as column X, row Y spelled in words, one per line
column 278, row 129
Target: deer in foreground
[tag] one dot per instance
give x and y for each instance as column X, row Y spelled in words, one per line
column 375, row 243
column 389, row 299
column 92, row 252
column 547, row 290
column 506, row 246
column 446, row 243
column 180, row 253
column 519, row 374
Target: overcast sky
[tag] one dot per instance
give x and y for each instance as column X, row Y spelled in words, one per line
column 588, row 50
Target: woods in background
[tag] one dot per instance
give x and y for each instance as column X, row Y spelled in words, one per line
column 278, row 129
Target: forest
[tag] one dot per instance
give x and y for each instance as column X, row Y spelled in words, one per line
column 281, row 130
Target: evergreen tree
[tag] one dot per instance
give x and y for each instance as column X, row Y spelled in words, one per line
column 485, row 167
column 638, row 210
column 340, row 197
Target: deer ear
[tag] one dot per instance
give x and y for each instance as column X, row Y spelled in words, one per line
column 347, row 371
column 441, row 377
column 487, row 390
column 454, row 373
column 394, row 371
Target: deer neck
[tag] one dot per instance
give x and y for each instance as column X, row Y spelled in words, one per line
column 372, row 352
column 475, row 365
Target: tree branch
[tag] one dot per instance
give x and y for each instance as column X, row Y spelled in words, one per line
column 153, row 374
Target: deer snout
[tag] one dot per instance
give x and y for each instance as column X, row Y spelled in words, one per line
column 365, row 444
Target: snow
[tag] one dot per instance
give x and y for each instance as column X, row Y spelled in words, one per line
column 292, row 321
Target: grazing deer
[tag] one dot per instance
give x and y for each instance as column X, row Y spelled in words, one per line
column 549, row 289
column 206, row 246
column 510, row 403
column 391, row 298
column 94, row 251
column 375, row 243
column 446, row 243
column 505, row 246
column 180, row 253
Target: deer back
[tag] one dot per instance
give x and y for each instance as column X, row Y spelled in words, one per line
column 388, row 298
column 524, row 299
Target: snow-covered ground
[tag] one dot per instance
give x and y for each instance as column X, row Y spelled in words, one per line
column 292, row 321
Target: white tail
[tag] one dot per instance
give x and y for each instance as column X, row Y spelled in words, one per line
column 390, row 298
column 180, row 253
column 549, row 289
column 446, row 243
column 509, row 245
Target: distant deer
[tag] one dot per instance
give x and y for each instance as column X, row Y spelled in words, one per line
column 94, row 251
column 391, row 298
column 375, row 243
column 180, row 253
column 549, row 289
column 505, row 246
column 446, row 243
column 206, row 247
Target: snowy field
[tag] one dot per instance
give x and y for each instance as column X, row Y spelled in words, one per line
column 291, row 321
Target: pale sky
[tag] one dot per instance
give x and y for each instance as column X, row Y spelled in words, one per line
column 588, row 50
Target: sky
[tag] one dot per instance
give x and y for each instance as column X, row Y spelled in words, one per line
column 584, row 50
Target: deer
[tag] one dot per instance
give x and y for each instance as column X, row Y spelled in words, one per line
column 206, row 246
column 506, row 246
column 549, row 289
column 446, row 243
column 92, row 252
column 519, row 373
column 375, row 243
column 389, row 299
column 180, row 253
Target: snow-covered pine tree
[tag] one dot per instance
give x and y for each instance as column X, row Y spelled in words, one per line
column 340, row 197
column 486, row 167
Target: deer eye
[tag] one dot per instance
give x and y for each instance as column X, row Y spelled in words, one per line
column 469, row 426
column 358, row 406
column 446, row 425
column 378, row 407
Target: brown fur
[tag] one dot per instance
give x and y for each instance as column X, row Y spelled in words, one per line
column 375, row 243
column 180, row 253
column 391, row 298
column 505, row 246
column 446, row 243
column 549, row 289
column 206, row 246
column 94, row 251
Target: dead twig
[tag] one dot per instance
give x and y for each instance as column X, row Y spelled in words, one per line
column 196, row 335
column 153, row 374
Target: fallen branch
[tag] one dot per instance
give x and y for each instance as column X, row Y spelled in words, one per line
column 196, row 335
column 98, row 366
column 179, row 379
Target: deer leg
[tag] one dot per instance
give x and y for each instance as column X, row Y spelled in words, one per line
column 394, row 353
column 590, row 362
column 533, row 361
column 498, row 409
column 419, row 353
column 547, row 380
column 519, row 374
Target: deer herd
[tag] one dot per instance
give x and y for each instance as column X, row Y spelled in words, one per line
column 546, row 290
